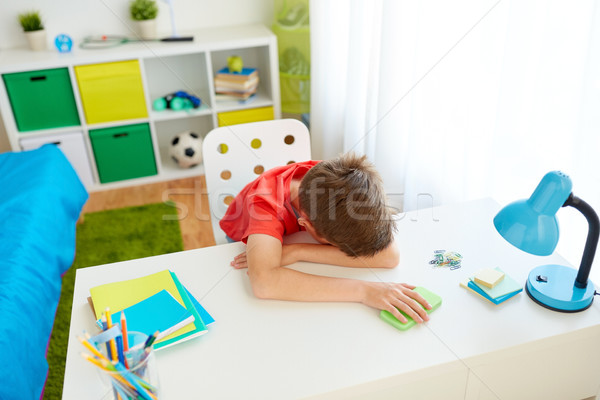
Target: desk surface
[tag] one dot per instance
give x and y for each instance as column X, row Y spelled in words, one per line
column 265, row 349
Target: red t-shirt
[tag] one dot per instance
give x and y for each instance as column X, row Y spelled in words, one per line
column 264, row 205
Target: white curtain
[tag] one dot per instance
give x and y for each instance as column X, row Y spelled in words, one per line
column 461, row 100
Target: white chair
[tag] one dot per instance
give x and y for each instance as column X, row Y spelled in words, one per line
column 235, row 155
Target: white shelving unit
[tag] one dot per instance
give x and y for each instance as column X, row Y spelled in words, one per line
column 164, row 68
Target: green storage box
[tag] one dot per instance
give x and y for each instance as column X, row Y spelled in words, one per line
column 42, row 99
column 123, row 152
column 291, row 26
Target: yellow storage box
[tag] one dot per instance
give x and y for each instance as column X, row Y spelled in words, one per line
column 244, row 116
column 111, row 91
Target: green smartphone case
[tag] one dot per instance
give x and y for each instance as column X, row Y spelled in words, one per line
column 431, row 297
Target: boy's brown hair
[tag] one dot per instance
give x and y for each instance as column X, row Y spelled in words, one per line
column 346, row 204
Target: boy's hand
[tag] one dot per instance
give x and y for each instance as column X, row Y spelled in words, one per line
column 394, row 296
column 240, row 261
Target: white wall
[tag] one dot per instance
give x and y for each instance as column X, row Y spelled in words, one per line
column 79, row 18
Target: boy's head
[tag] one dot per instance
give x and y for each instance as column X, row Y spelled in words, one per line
column 344, row 201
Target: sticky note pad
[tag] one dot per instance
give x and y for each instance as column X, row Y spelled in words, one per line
column 506, row 286
column 488, row 277
column 431, row 297
column 472, row 287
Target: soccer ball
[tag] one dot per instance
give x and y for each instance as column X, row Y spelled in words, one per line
column 186, row 149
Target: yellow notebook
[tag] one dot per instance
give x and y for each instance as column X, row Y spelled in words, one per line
column 120, row 295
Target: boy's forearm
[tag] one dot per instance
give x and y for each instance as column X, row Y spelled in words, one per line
column 272, row 281
column 326, row 254
column 288, row 284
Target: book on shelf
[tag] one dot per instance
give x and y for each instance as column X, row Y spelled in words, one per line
column 226, row 97
column 222, row 89
column 240, row 86
column 245, row 74
column 121, row 295
column 234, row 95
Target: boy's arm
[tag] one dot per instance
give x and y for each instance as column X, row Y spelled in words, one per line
column 272, row 281
column 327, row 254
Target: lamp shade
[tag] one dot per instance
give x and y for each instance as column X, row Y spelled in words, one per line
column 531, row 224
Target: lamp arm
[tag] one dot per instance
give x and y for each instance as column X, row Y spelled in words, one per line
column 592, row 238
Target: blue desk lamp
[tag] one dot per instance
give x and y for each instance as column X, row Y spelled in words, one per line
column 531, row 226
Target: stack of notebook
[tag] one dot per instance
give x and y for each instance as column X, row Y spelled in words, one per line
column 493, row 285
column 156, row 302
column 236, row 85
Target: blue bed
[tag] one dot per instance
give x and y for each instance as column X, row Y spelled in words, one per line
column 40, row 201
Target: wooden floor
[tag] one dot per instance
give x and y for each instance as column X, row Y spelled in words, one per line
column 188, row 194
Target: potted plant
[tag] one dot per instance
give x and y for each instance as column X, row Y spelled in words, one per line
column 32, row 25
column 144, row 13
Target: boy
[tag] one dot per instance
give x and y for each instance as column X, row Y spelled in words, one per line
column 341, row 204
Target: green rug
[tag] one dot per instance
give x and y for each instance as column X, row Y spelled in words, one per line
column 107, row 237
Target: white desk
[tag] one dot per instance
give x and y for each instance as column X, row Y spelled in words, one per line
column 470, row 349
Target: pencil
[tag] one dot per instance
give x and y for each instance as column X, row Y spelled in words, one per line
column 104, row 365
column 127, row 391
column 120, row 354
column 120, row 392
column 94, row 361
column 104, row 327
column 91, row 348
column 125, row 338
column 113, row 345
column 131, row 378
column 124, row 376
column 124, row 331
column 110, row 368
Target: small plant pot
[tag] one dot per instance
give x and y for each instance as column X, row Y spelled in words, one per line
column 37, row 40
column 147, row 29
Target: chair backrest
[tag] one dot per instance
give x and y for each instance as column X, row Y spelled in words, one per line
column 235, row 155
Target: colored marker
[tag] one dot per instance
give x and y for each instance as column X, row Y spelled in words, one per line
column 151, row 339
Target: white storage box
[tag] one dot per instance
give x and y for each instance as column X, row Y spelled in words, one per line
column 73, row 147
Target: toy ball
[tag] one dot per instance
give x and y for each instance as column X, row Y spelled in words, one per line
column 186, row 149
column 235, row 64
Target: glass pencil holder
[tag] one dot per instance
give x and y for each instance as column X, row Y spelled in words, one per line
column 134, row 376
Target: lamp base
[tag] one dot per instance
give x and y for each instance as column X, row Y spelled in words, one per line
column 553, row 286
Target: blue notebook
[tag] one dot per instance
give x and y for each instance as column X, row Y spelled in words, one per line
column 159, row 312
column 245, row 71
column 206, row 317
